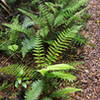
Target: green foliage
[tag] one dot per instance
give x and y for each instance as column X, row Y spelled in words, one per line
column 39, row 52
column 24, row 73
column 11, row 1
column 28, row 45
column 35, row 1
column 16, row 26
column 13, row 47
column 47, row 98
column 57, row 67
column 62, row 75
column 53, row 15
column 65, row 91
column 21, row 80
column 61, row 43
column 15, row 69
column 54, row 29
column 4, row 85
column 35, row 90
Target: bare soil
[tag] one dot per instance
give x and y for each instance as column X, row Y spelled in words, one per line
column 89, row 74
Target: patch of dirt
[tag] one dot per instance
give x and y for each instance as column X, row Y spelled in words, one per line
column 89, row 75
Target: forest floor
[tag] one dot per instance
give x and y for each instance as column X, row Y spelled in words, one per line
column 89, row 76
column 89, row 73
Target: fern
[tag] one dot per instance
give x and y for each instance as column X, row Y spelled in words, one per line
column 39, row 52
column 56, row 67
column 69, row 13
column 35, row 91
column 30, row 15
column 15, row 26
column 28, row 45
column 76, row 63
column 55, row 19
column 62, row 75
column 50, row 72
column 76, row 16
column 4, row 85
column 72, row 8
column 15, row 69
column 46, row 15
column 48, row 21
column 62, row 92
column 61, row 43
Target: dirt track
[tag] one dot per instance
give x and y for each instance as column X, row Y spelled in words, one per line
column 89, row 76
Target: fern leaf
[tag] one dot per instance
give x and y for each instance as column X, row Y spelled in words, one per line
column 30, row 15
column 73, row 7
column 35, row 1
column 76, row 63
column 62, row 75
column 57, row 67
column 15, row 69
column 35, row 91
column 15, row 26
column 43, row 32
column 4, row 85
column 46, row 15
column 61, row 43
column 69, row 12
column 27, row 46
column 62, row 92
column 59, row 19
column 39, row 52
column 74, row 17
column 27, row 22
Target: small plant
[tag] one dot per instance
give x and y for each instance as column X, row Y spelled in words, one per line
column 4, row 85
column 13, row 47
column 42, row 86
column 42, row 79
column 20, row 80
column 54, row 18
column 54, row 29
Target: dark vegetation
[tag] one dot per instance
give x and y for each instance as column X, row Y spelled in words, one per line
column 39, row 35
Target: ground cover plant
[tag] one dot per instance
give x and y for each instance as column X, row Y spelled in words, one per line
column 52, row 28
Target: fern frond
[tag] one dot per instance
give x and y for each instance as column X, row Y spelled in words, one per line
column 56, row 67
column 14, row 70
column 62, row 75
column 62, row 1
column 79, row 40
column 61, row 43
column 69, row 13
column 77, row 15
column 35, row 1
column 72, row 8
column 39, row 52
column 45, row 15
column 30, row 15
column 76, row 63
column 43, row 32
column 15, row 26
column 4, row 85
column 35, row 91
column 62, row 92
column 27, row 45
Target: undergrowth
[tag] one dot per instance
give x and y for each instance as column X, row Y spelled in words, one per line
column 48, row 31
